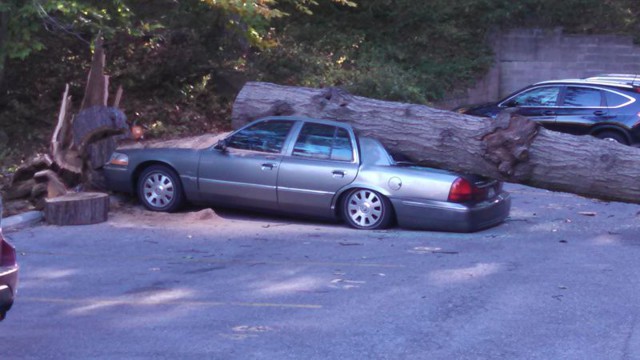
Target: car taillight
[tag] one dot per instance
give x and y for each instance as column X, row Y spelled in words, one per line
column 7, row 253
column 463, row 191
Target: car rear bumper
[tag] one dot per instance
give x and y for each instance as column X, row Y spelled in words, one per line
column 447, row 216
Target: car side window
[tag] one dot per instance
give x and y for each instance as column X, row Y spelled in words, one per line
column 542, row 96
column 615, row 100
column 582, row 97
column 266, row 136
column 342, row 149
column 319, row 141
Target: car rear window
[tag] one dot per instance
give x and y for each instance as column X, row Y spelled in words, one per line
column 582, row 97
column 321, row 141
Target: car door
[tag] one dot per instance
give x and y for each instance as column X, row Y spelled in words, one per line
column 580, row 108
column 537, row 104
column 322, row 160
column 244, row 173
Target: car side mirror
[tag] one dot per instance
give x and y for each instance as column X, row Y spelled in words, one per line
column 511, row 103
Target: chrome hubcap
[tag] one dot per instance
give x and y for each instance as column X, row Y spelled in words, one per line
column 158, row 190
column 365, row 208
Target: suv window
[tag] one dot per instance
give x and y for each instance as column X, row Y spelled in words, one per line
column 266, row 136
column 542, row 96
column 615, row 100
column 321, row 141
column 582, row 97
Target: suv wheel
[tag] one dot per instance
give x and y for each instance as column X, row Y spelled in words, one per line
column 610, row 135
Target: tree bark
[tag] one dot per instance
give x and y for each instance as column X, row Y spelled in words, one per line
column 55, row 186
column 95, row 124
column 96, row 92
column 64, row 156
column 509, row 148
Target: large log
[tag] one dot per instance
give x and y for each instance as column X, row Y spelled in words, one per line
column 77, row 209
column 509, row 148
column 26, row 171
column 97, row 123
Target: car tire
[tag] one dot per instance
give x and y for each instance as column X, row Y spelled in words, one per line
column 611, row 135
column 367, row 209
column 159, row 189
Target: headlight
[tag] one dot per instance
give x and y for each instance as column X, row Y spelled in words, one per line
column 119, row 159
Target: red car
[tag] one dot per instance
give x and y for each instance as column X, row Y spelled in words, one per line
column 8, row 272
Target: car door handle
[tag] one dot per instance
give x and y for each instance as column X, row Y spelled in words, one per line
column 339, row 174
column 268, row 166
column 548, row 112
column 599, row 112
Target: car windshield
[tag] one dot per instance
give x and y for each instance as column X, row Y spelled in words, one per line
column 543, row 96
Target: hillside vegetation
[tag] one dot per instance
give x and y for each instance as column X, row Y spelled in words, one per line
column 182, row 62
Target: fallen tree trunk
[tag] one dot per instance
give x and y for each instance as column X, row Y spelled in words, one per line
column 509, row 148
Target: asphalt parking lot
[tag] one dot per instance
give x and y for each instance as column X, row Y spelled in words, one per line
column 558, row 280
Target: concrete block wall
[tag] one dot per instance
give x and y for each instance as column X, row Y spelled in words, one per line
column 526, row 56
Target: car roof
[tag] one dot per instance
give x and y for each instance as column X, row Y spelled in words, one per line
column 602, row 80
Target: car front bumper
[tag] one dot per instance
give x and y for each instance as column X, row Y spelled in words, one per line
column 447, row 216
column 118, row 178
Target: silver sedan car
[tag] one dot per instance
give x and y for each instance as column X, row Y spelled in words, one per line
column 313, row 168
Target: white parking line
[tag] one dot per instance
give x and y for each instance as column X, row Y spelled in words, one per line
column 142, row 302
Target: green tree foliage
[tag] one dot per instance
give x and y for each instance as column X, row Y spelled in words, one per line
column 419, row 51
column 23, row 23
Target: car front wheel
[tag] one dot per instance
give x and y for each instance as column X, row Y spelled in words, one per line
column 159, row 189
column 367, row 209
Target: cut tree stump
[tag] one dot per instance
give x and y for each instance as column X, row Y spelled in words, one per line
column 77, row 209
column 509, row 148
column 80, row 146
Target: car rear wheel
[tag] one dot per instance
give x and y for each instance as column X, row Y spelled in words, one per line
column 610, row 135
column 159, row 189
column 367, row 209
